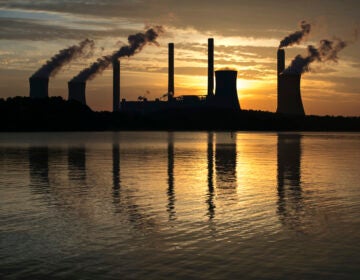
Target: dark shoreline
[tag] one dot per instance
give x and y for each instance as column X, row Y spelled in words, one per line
column 22, row 114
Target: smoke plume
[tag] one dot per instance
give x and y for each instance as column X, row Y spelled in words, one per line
column 296, row 37
column 51, row 67
column 136, row 43
column 326, row 51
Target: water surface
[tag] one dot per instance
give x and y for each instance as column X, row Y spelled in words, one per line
column 184, row 205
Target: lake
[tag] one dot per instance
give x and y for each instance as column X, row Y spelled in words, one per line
column 180, row 205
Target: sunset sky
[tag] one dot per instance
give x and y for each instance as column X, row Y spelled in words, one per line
column 246, row 34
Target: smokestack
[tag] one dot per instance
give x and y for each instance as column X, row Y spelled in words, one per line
column 280, row 61
column 116, row 85
column 280, row 69
column 289, row 95
column 226, row 92
column 77, row 91
column 39, row 87
column 210, row 67
column 171, row 72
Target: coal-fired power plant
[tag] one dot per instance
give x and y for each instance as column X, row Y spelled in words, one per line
column 77, row 91
column 289, row 95
column 221, row 93
column 39, row 87
column 226, row 91
column 116, row 85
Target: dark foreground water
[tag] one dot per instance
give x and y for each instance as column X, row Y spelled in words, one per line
column 158, row 205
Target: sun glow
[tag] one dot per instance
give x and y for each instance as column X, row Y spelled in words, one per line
column 246, row 84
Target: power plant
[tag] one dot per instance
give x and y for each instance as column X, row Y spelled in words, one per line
column 225, row 96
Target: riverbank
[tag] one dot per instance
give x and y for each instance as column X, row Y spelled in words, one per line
column 56, row 114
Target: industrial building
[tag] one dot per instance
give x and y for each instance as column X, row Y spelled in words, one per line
column 225, row 96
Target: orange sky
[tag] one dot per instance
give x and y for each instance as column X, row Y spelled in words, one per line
column 246, row 33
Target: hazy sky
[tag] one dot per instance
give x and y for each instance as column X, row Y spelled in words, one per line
column 246, row 34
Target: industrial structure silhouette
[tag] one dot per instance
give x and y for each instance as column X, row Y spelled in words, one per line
column 225, row 96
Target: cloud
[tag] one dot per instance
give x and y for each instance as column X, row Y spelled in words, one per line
column 35, row 30
column 234, row 18
column 349, row 85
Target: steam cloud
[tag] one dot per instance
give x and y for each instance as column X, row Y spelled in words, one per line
column 296, row 37
column 51, row 67
column 136, row 43
column 327, row 51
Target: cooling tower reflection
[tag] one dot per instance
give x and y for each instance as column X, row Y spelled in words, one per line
column 77, row 163
column 290, row 204
column 225, row 161
column 39, row 166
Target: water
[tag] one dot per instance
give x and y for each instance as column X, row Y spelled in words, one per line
column 181, row 205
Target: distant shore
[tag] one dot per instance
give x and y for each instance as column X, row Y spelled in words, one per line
column 20, row 114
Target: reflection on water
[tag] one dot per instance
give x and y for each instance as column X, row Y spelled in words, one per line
column 200, row 205
column 225, row 161
column 77, row 163
column 290, row 204
column 210, row 178
column 39, row 166
column 170, row 170
column 116, row 170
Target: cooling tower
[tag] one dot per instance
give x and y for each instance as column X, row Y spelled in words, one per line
column 210, row 67
column 289, row 96
column 116, row 85
column 171, row 72
column 226, row 92
column 77, row 91
column 288, row 90
column 39, row 87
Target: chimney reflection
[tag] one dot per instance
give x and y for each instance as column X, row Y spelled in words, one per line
column 225, row 161
column 39, row 166
column 210, row 161
column 77, row 163
column 290, row 204
column 123, row 198
column 116, row 171
column 170, row 190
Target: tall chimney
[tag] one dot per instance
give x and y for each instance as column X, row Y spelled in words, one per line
column 210, row 67
column 77, row 91
column 116, row 85
column 226, row 92
column 171, row 72
column 39, row 87
column 280, row 61
column 280, row 69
